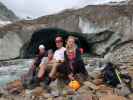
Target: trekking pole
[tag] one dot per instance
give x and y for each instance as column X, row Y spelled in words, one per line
column 118, row 76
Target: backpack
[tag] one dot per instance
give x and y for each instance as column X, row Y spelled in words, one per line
column 109, row 75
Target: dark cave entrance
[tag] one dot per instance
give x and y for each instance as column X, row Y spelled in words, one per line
column 46, row 36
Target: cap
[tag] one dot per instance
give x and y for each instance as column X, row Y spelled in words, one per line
column 41, row 46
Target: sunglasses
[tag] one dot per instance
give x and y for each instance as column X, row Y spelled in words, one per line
column 58, row 41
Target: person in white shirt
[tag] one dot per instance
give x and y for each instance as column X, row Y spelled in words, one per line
column 59, row 54
column 58, row 58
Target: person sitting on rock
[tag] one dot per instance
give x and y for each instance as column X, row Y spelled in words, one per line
column 34, row 67
column 46, row 66
column 73, row 63
column 58, row 59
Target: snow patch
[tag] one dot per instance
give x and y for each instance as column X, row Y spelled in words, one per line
column 3, row 23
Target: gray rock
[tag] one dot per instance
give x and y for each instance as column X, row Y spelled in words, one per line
column 122, row 55
column 10, row 46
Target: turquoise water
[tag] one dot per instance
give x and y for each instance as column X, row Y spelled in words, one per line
column 12, row 72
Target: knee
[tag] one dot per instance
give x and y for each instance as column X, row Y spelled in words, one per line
column 55, row 64
column 42, row 66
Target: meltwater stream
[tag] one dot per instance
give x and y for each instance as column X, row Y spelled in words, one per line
column 13, row 70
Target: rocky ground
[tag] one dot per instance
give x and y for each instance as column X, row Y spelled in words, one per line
column 92, row 89
column 106, row 28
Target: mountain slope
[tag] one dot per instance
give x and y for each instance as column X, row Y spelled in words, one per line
column 6, row 14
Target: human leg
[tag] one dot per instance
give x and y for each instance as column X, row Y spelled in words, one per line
column 54, row 70
column 42, row 69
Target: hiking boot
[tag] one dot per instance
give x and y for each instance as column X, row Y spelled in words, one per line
column 47, row 81
column 34, row 83
column 46, row 88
